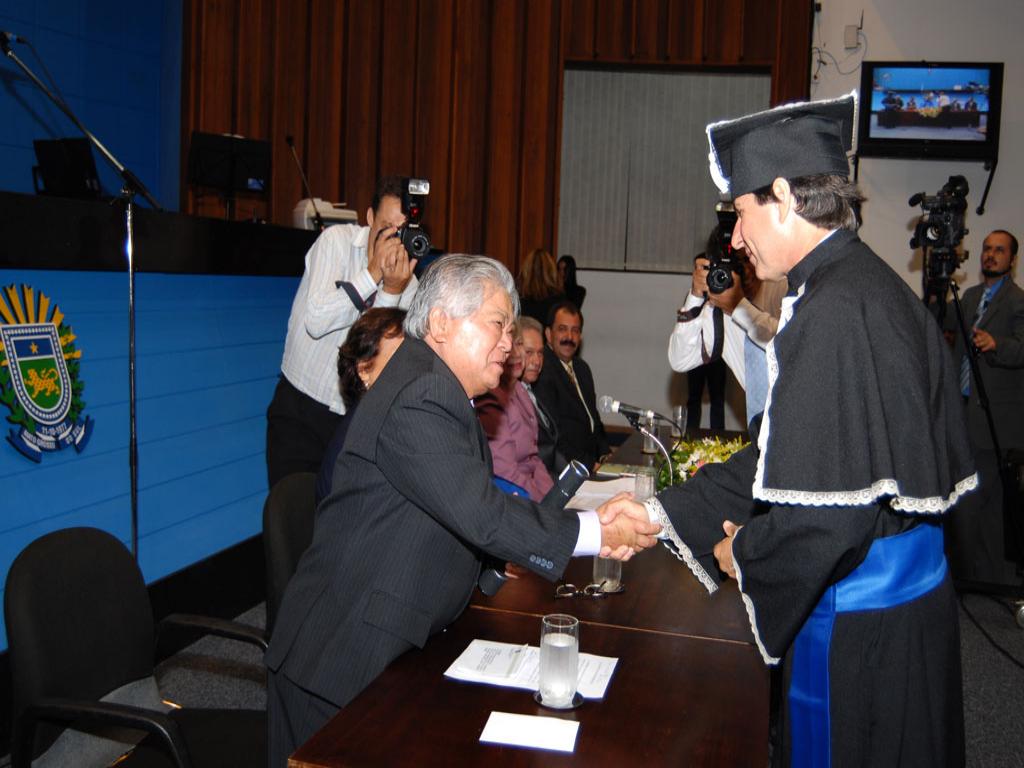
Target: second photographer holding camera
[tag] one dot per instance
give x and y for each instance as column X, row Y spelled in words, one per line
column 748, row 312
column 348, row 269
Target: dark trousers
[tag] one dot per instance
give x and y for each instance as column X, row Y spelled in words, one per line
column 713, row 374
column 299, row 430
column 294, row 715
column 976, row 530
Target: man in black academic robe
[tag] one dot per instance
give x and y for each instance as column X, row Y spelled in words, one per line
column 832, row 517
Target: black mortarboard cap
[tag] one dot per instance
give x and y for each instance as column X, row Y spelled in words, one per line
column 790, row 141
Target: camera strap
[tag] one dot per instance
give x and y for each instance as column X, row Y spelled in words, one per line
column 718, row 322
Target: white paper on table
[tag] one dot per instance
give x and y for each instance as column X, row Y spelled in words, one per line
column 531, row 731
column 594, row 493
column 518, row 666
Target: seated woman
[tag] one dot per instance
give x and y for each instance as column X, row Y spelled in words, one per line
column 510, row 422
column 573, row 291
column 371, row 342
column 538, row 285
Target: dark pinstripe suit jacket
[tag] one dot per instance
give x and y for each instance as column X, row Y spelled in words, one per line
column 559, row 398
column 397, row 545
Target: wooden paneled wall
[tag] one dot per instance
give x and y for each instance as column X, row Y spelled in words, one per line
column 465, row 93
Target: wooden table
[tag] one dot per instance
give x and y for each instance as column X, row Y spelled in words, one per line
column 689, row 689
column 661, row 595
column 673, row 700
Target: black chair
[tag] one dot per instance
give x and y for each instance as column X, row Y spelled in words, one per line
column 81, row 641
column 287, row 532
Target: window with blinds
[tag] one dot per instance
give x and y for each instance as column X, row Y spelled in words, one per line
column 635, row 191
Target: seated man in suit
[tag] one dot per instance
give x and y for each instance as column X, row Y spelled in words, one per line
column 566, row 388
column 547, row 430
column 398, row 543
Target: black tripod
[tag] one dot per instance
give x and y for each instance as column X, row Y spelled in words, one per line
column 1009, row 474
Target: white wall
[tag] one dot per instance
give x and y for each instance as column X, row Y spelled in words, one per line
column 935, row 30
column 629, row 316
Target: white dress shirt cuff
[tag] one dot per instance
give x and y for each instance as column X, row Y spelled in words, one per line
column 692, row 301
column 363, row 283
column 589, row 540
column 743, row 314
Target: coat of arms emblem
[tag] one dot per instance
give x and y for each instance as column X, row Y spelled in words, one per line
column 39, row 383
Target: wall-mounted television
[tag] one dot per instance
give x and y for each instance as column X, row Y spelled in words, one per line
column 926, row 110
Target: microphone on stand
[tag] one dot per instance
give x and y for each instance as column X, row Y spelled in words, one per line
column 637, row 416
column 492, row 577
column 317, row 218
column 6, row 38
column 608, row 404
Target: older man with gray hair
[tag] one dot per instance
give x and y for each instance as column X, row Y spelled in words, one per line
column 397, row 547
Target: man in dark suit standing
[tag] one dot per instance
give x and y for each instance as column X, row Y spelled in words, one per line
column 397, row 546
column 566, row 388
column 994, row 314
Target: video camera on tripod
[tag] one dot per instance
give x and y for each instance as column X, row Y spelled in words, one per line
column 938, row 234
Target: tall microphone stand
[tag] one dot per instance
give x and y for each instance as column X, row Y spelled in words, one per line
column 132, row 185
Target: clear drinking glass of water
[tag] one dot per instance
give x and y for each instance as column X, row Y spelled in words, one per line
column 608, row 574
column 559, row 660
column 646, row 483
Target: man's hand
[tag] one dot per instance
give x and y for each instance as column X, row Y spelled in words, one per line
column 984, row 341
column 728, row 299
column 625, row 527
column 389, row 261
column 723, row 549
column 398, row 272
column 699, row 287
column 514, row 571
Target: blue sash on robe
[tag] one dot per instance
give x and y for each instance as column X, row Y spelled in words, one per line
column 897, row 569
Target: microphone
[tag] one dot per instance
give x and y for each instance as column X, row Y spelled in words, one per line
column 607, row 404
column 6, row 38
column 317, row 219
column 492, row 577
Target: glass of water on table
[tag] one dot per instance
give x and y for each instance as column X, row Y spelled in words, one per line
column 559, row 662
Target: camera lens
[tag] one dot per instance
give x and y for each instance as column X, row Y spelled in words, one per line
column 719, row 279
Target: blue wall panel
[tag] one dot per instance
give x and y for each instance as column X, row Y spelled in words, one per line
column 208, row 355
column 117, row 65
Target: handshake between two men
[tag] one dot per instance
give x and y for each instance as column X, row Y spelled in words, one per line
column 626, row 527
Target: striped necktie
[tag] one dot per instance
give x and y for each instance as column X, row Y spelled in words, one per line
column 576, row 384
column 965, row 362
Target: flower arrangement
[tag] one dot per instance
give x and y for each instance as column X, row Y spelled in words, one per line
column 688, row 456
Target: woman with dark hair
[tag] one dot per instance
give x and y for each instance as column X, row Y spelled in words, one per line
column 510, row 423
column 369, row 346
column 573, row 291
column 538, row 285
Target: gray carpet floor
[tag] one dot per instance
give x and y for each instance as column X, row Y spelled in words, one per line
column 221, row 673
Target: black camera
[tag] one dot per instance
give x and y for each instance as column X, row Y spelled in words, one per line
column 941, row 227
column 724, row 260
column 938, row 234
column 411, row 234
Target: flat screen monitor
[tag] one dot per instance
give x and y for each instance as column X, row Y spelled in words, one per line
column 947, row 110
column 66, row 168
column 230, row 164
